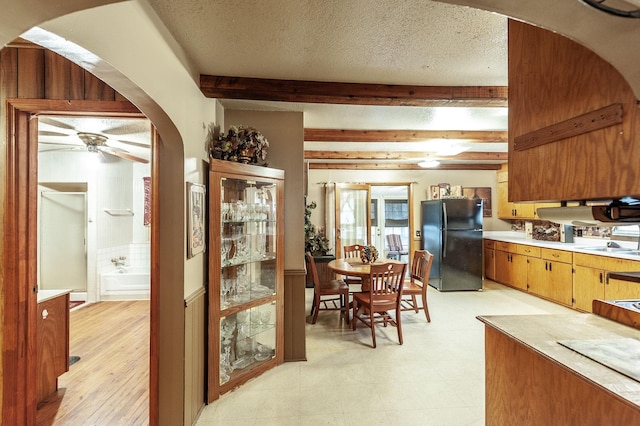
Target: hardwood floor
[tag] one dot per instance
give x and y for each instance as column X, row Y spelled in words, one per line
column 109, row 385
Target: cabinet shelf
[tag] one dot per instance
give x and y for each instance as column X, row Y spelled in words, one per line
column 246, row 274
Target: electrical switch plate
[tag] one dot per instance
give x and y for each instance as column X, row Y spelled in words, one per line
column 418, row 234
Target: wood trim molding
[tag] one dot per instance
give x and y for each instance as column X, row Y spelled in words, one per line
column 348, row 135
column 225, row 87
column 581, row 124
column 396, row 166
column 401, row 155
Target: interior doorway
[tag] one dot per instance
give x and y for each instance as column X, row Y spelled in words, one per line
column 62, row 248
column 21, row 244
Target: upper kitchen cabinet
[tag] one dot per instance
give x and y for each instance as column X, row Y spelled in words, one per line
column 559, row 94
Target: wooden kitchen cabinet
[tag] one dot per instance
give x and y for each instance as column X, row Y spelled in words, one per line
column 551, row 275
column 246, row 274
column 511, row 267
column 616, row 289
column 509, row 210
column 52, row 351
column 489, row 256
column 591, row 280
column 553, row 79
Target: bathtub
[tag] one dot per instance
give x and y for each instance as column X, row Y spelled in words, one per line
column 126, row 283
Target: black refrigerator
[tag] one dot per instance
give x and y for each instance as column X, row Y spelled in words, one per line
column 452, row 232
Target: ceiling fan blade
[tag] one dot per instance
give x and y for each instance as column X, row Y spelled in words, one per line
column 138, row 144
column 124, row 155
column 61, row 143
column 62, row 149
column 49, row 133
column 110, row 148
column 55, row 123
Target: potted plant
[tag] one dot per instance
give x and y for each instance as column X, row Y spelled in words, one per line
column 317, row 244
column 314, row 239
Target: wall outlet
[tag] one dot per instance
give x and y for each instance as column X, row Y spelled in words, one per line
column 418, row 234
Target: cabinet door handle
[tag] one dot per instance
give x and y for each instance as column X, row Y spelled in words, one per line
column 550, row 266
column 600, row 277
column 546, row 266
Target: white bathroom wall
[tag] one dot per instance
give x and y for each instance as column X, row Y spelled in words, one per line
column 116, row 184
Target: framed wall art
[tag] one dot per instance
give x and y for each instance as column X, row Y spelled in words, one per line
column 196, row 205
column 484, row 193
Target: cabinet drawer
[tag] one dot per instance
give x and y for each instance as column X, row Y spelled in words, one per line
column 489, row 244
column 508, row 247
column 605, row 263
column 528, row 250
column 557, row 255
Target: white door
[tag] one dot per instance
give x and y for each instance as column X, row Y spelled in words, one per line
column 63, row 256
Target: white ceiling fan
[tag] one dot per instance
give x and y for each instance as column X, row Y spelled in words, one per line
column 93, row 135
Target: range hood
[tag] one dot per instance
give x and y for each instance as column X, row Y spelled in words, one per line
column 615, row 214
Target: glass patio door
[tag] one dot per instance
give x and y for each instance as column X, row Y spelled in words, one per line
column 353, row 215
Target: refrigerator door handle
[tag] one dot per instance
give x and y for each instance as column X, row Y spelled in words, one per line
column 444, row 213
column 444, row 243
column 445, row 229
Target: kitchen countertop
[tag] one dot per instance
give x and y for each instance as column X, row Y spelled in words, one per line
column 578, row 246
column 44, row 295
column 541, row 333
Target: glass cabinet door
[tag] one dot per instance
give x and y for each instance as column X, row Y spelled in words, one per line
column 248, row 242
column 247, row 338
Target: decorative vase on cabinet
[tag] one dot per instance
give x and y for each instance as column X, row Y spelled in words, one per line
column 246, row 273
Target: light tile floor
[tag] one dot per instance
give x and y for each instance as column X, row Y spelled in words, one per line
column 435, row 378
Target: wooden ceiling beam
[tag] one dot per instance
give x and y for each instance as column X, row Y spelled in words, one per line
column 403, row 155
column 397, row 166
column 223, row 87
column 347, row 135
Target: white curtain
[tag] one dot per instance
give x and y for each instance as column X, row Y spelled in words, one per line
column 330, row 214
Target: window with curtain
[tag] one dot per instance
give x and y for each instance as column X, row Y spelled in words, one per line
column 396, row 213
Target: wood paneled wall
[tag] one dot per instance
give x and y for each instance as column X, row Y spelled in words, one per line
column 553, row 79
column 295, row 348
column 31, row 72
column 36, row 73
column 195, row 315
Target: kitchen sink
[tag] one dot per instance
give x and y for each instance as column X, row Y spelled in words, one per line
column 616, row 250
column 608, row 249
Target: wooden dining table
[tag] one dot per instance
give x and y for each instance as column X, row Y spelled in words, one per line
column 353, row 267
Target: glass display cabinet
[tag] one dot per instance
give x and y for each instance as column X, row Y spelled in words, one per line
column 246, row 272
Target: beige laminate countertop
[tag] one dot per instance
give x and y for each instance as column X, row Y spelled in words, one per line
column 577, row 247
column 541, row 333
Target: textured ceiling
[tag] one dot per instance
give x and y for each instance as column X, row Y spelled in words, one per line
column 366, row 41
column 412, row 42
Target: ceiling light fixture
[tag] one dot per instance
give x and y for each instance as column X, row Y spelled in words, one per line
column 429, row 164
column 613, row 7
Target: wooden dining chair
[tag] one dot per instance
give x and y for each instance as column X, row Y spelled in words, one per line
column 416, row 284
column 385, row 292
column 330, row 295
column 352, row 252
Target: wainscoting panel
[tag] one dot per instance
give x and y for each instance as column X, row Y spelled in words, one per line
column 195, row 354
column 294, row 315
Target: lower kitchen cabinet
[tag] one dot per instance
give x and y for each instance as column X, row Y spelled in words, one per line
column 489, row 260
column 511, row 267
column 591, row 280
column 551, row 275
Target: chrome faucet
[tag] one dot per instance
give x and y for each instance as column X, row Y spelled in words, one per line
column 119, row 261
